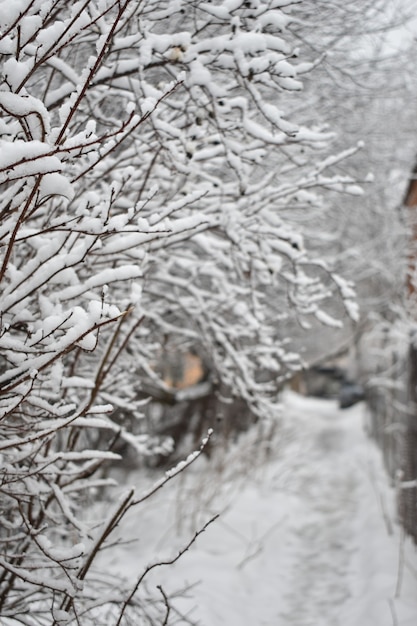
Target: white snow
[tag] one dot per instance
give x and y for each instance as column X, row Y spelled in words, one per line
column 26, row 158
column 307, row 534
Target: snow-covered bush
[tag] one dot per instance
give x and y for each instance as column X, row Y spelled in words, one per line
column 145, row 170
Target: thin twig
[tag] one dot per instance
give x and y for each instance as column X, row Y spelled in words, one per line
column 401, row 559
column 166, row 602
column 174, row 472
column 393, row 612
column 159, row 564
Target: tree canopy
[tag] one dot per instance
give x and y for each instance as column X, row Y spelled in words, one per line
column 153, row 185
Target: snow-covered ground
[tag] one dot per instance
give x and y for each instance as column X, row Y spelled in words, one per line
column 307, row 534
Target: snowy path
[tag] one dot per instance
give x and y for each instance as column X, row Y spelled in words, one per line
column 322, row 535
column 301, row 540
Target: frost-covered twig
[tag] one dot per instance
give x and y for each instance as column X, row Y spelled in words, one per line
column 172, row 473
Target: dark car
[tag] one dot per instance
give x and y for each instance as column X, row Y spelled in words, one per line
column 350, row 393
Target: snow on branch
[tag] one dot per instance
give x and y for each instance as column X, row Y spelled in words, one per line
column 149, row 165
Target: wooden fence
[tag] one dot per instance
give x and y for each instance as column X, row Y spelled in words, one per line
column 391, row 392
